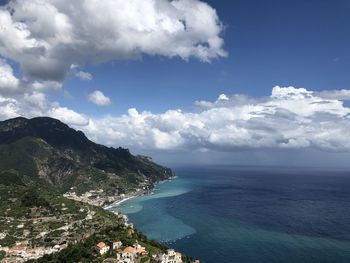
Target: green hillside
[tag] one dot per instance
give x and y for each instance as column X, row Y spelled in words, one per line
column 48, row 150
column 43, row 158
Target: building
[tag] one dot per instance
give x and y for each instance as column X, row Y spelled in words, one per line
column 131, row 253
column 140, row 250
column 128, row 254
column 117, row 245
column 171, row 256
column 102, row 248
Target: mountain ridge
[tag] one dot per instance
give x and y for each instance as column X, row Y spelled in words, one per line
column 54, row 183
column 48, row 149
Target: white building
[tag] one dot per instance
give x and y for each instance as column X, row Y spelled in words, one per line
column 170, row 257
column 128, row 254
column 102, row 248
column 117, row 244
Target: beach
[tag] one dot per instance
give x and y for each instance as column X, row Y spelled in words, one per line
column 117, row 203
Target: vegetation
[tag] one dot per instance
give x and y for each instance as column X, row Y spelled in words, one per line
column 2, row 254
column 39, row 210
column 46, row 150
column 41, row 159
column 85, row 249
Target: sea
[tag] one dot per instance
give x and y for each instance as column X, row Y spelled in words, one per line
column 222, row 214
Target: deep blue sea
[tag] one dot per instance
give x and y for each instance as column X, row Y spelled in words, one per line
column 250, row 214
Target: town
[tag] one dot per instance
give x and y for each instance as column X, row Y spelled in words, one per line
column 134, row 254
column 35, row 236
column 100, row 197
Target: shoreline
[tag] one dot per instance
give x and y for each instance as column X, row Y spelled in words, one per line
column 117, row 203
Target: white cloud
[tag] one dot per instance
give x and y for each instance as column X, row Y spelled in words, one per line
column 75, row 70
column 97, row 97
column 46, row 85
column 8, row 82
column 46, row 37
column 343, row 94
column 8, row 108
column 36, row 104
column 11, row 86
column 83, row 75
column 222, row 97
column 290, row 118
column 68, row 116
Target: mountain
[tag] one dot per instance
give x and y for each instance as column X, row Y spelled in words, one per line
column 42, row 162
column 47, row 150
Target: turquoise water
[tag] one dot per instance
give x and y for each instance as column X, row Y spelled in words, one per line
column 250, row 214
column 151, row 214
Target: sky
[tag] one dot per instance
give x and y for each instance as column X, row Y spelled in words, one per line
column 186, row 81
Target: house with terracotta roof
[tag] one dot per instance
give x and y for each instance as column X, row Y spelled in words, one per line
column 102, row 248
column 129, row 250
column 133, row 252
column 128, row 254
column 140, row 250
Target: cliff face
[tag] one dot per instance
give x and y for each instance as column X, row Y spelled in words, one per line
column 48, row 151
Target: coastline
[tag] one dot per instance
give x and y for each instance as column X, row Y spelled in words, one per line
column 117, row 203
column 142, row 193
column 155, row 219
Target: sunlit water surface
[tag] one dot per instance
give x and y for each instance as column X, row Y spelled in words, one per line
column 248, row 215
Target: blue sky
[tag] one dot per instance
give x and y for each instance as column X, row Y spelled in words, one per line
column 236, row 82
column 298, row 43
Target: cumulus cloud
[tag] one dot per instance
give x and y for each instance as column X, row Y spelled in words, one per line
column 27, row 98
column 36, row 104
column 290, row 118
column 343, row 94
column 83, row 75
column 47, row 37
column 11, row 86
column 45, row 85
column 8, row 82
column 67, row 116
column 75, row 70
column 97, row 97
